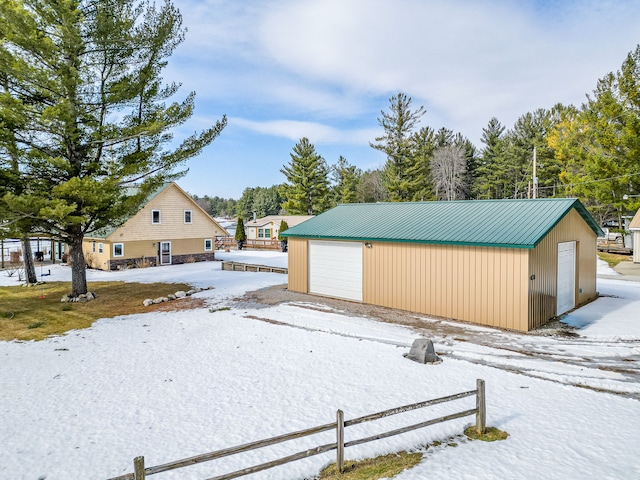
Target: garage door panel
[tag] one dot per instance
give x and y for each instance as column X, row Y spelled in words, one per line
column 566, row 290
column 335, row 269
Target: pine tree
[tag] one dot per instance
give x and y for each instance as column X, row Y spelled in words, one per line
column 83, row 90
column 599, row 145
column 423, row 145
column 283, row 240
column 241, row 235
column 347, row 181
column 400, row 166
column 488, row 182
column 307, row 192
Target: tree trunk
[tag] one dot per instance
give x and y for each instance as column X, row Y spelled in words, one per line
column 29, row 266
column 78, row 268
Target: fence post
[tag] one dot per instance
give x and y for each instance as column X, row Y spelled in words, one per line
column 481, row 407
column 340, row 440
column 138, row 468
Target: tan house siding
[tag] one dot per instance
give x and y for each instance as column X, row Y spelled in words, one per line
column 298, row 265
column 171, row 203
column 466, row 283
column 544, row 265
column 96, row 259
column 141, row 237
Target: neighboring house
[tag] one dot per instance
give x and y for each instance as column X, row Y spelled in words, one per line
column 170, row 228
column 634, row 228
column 513, row 264
column 269, row 227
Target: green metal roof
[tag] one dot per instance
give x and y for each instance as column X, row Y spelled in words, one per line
column 496, row 223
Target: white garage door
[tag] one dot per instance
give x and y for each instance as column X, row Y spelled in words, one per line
column 335, row 269
column 566, row 277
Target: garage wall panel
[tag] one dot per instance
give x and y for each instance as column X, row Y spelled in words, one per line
column 476, row 284
column 297, row 250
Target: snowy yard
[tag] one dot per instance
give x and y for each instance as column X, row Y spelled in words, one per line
column 175, row 384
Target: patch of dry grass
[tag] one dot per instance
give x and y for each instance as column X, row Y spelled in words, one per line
column 613, row 259
column 38, row 312
column 491, row 434
column 386, row 466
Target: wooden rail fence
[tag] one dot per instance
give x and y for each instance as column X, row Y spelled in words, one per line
column 252, row 243
column 248, row 267
column 141, row 472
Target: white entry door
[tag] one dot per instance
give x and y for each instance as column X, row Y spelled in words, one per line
column 335, row 269
column 165, row 253
column 566, row 277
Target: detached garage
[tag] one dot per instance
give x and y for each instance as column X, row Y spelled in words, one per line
column 513, row 264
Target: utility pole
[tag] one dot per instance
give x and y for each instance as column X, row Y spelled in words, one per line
column 535, row 175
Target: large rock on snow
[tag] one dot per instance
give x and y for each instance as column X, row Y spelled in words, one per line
column 422, row 351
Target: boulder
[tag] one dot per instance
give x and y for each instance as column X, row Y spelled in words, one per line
column 422, row 351
column 147, row 302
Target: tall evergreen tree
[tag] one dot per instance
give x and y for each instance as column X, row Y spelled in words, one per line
column 489, row 182
column 83, row 87
column 398, row 125
column 600, row 144
column 307, row 191
column 423, row 145
column 347, row 179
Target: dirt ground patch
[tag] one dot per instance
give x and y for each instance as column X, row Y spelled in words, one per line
column 429, row 327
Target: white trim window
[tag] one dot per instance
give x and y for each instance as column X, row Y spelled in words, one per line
column 100, row 247
column 264, row 233
column 208, row 245
column 156, row 217
column 93, row 247
column 118, row 249
column 188, row 216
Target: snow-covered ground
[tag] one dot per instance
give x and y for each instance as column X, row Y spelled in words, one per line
column 175, row 384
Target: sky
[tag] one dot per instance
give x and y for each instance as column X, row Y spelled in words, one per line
column 173, row 384
column 281, row 70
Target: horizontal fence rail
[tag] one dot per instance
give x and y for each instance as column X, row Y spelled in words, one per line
column 141, row 472
column 248, row 267
column 255, row 243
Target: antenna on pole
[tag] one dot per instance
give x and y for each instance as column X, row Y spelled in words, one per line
column 535, row 175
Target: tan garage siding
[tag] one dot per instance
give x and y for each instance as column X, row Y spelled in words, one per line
column 478, row 284
column 544, row 264
column 298, row 278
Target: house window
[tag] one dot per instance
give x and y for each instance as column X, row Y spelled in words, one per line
column 93, row 247
column 208, row 245
column 155, row 216
column 100, row 248
column 187, row 216
column 264, row 233
column 118, row 249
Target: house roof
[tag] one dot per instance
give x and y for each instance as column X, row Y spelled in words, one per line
column 497, row 223
column 291, row 220
column 108, row 231
column 635, row 222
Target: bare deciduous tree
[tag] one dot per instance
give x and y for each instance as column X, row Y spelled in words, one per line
column 448, row 170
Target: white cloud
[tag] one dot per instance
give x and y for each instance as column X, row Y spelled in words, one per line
column 315, row 132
